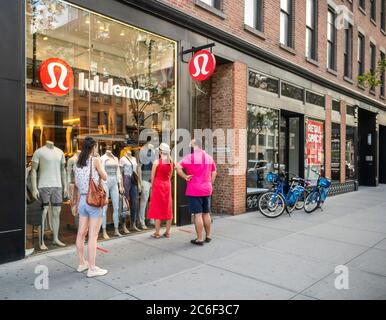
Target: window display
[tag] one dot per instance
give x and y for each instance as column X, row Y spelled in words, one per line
column 88, row 75
column 263, row 153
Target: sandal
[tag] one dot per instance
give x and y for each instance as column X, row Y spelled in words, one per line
column 167, row 235
column 155, row 236
column 196, row 242
column 207, row 240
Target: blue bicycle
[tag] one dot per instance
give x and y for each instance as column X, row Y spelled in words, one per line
column 273, row 203
column 318, row 195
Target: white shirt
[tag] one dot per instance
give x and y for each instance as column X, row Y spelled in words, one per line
column 109, row 163
column 128, row 166
column 50, row 162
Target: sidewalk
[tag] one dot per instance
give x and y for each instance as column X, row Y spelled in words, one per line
column 251, row 257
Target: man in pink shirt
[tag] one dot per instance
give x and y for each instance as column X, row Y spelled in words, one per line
column 200, row 174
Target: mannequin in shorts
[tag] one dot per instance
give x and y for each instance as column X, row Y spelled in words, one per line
column 48, row 178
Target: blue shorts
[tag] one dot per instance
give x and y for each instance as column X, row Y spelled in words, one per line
column 87, row 211
column 199, row 205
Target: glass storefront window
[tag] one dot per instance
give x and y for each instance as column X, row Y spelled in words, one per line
column 88, row 75
column 351, row 164
column 315, row 99
column 291, row 91
column 314, row 149
column 263, row 133
column 335, row 152
column 263, row 82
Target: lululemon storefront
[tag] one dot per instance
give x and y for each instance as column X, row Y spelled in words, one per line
column 88, row 75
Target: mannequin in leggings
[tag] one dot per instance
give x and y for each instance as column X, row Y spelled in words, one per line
column 113, row 187
column 129, row 165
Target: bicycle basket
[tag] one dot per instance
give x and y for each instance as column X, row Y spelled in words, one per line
column 272, row 177
column 324, row 183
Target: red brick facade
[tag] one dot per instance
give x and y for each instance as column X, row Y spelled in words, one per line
column 234, row 24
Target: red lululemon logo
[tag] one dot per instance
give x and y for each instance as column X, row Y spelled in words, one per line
column 56, row 76
column 202, row 65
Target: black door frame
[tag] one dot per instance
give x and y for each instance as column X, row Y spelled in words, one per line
column 367, row 150
column 287, row 115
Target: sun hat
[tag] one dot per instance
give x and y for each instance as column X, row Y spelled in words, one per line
column 164, row 148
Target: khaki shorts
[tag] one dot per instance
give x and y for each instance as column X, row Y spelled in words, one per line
column 51, row 196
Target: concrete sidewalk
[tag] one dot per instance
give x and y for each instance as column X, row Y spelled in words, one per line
column 251, row 257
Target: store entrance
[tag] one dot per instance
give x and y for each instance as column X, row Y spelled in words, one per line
column 382, row 154
column 367, row 148
column 292, row 143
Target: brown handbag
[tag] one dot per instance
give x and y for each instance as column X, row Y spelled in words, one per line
column 96, row 195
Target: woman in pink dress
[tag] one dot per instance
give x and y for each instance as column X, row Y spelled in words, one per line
column 161, row 204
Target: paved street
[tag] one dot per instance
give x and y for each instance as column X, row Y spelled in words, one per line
column 251, row 257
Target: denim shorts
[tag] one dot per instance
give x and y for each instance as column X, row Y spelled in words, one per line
column 199, row 204
column 87, row 211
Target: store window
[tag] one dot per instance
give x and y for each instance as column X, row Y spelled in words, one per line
column 263, row 154
column 336, row 105
column 291, row 91
column 263, row 82
column 335, row 152
column 315, row 99
column 87, row 75
column 351, row 146
column 314, row 149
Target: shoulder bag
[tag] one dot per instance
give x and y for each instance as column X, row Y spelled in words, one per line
column 96, row 195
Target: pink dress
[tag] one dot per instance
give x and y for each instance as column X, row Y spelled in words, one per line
column 161, row 204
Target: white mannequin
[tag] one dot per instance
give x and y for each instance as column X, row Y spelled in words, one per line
column 109, row 159
column 49, row 161
column 73, row 195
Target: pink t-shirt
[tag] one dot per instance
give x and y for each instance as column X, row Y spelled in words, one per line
column 200, row 165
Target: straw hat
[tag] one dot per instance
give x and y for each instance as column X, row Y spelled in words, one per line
column 164, row 148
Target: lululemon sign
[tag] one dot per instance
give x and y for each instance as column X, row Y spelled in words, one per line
column 56, row 76
column 202, row 65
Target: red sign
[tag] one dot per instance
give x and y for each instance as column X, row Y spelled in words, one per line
column 56, row 76
column 315, row 143
column 202, row 65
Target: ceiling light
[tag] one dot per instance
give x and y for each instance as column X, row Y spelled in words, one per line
column 45, row 38
column 122, row 34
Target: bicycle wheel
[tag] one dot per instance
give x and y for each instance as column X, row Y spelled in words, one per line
column 299, row 204
column 312, row 201
column 271, row 207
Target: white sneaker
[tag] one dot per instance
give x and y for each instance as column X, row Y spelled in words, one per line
column 83, row 267
column 96, row 272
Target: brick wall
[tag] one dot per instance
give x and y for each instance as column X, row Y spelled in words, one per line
column 234, row 24
column 229, row 94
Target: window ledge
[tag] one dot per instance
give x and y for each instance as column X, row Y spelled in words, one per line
column 362, row 10
column 383, row 32
column 332, row 71
column 373, row 22
column 349, row 80
column 210, row 9
column 288, row 49
column 312, row 61
column 362, row 87
column 382, row 97
column 372, row 92
column 254, row 31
